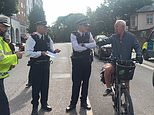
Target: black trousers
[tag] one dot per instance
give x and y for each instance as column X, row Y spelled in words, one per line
column 4, row 104
column 81, row 70
column 40, row 83
column 30, row 76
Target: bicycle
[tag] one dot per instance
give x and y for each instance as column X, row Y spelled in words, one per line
column 122, row 102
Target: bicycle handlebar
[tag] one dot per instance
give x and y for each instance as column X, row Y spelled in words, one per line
column 114, row 60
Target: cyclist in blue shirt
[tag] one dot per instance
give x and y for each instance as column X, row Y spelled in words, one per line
column 123, row 43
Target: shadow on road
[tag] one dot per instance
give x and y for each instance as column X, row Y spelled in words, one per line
column 19, row 101
column 81, row 112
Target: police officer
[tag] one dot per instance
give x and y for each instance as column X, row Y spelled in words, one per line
column 37, row 46
column 82, row 44
column 8, row 40
column 7, row 62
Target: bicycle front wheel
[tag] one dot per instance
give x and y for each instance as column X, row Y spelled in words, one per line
column 126, row 103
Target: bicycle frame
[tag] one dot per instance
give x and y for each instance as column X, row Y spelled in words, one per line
column 119, row 87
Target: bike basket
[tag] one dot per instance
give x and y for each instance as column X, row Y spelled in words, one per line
column 125, row 71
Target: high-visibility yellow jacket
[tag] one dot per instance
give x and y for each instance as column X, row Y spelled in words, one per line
column 7, row 59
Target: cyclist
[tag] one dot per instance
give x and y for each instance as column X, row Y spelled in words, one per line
column 122, row 44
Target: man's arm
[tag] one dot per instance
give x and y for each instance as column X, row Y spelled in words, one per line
column 138, row 51
column 91, row 44
column 75, row 45
column 30, row 43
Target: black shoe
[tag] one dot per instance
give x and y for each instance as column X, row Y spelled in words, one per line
column 46, row 108
column 28, row 85
column 70, row 108
column 85, row 106
column 107, row 92
column 34, row 111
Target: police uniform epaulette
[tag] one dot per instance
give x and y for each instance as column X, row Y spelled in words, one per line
column 35, row 36
column 76, row 33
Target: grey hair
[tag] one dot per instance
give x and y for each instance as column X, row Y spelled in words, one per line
column 121, row 22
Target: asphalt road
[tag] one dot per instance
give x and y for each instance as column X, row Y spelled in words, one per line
column 19, row 97
column 142, row 92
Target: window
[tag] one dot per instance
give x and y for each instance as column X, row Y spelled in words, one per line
column 152, row 37
column 132, row 21
column 21, row 5
column 149, row 18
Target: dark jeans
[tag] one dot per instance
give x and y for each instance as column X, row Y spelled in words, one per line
column 40, row 83
column 4, row 104
column 81, row 70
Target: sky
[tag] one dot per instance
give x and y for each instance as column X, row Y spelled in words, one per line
column 55, row 8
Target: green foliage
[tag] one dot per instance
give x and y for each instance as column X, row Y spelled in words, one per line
column 8, row 7
column 102, row 19
column 37, row 14
column 124, row 8
column 64, row 26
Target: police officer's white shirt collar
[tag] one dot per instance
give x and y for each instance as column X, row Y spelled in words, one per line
column 80, row 32
column 40, row 35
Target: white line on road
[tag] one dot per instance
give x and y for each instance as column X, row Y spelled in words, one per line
column 90, row 111
column 146, row 66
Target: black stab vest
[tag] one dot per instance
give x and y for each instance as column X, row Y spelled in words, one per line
column 82, row 39
column 41, row 45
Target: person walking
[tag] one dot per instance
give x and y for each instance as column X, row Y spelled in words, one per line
column 7, row 62
column 82, row 57
column 8, row 40
column 37, row 46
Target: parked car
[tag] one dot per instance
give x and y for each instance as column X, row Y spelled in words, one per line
column 102, row 51
column 148, row 47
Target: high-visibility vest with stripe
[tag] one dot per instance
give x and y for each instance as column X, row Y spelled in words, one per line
column 7, row 59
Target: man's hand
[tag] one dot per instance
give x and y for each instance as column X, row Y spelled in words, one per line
column 82, row 44
column 19, row 55
column 139, row 59
column 57, row 51
column 43, row 53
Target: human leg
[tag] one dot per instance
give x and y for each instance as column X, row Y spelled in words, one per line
column 45, row 87
column 107, row 75
column 76, row 82
column 85, row 84
column 36, row 84
column 4, row 104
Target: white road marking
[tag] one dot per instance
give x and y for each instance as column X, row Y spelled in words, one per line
column 89, row 112
column 146, row 66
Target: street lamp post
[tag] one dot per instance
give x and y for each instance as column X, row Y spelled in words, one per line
column 11, row 28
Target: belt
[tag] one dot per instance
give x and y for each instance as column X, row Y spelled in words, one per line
column 43, row 61
column 4, row 73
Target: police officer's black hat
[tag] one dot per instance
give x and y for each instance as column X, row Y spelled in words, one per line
column 83, row 21
column 44, row 23
column 4, row 21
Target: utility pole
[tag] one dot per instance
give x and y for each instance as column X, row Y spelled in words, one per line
column 11, row 29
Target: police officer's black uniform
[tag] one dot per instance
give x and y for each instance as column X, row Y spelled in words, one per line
column 39, row 71
column 81, row 70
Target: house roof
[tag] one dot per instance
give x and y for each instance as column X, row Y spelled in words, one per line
column 148, row 8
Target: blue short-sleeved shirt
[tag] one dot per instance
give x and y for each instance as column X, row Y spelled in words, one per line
column 122, row 49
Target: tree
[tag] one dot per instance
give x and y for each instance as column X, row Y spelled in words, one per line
column 124, row 8
column 64, row 26
column 8, row 7
column 37, row 14
column 104, row 17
